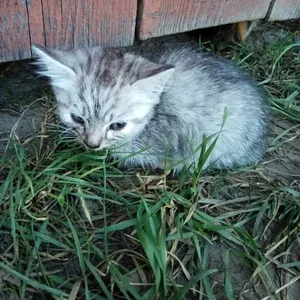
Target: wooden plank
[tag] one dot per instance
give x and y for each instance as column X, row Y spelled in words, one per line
column 285, row 10
column 161, row 17
column 64, row 24
column 36, row 22
column 14, row 32
column 53, row 23
column 70, row 24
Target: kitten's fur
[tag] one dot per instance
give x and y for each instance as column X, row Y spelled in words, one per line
column 168, row 104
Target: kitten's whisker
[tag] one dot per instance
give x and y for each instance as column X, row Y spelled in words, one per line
column 66, row 129
column 57, row 126
column 68, row 137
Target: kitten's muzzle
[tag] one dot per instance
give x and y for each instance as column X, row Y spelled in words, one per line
column 92, row 140
column 91, row 145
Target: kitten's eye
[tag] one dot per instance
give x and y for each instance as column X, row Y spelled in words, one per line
column 77, row 119
column 117, row 126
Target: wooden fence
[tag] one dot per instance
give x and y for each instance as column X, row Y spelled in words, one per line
column 65, row 24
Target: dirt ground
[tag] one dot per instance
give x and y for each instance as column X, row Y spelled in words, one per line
column 22, row 106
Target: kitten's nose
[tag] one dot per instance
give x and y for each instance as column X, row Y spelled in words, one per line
column 92, row 144
column 92, row 140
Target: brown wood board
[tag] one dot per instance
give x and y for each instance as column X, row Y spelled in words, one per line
column 285, row 10
column 71, row 23
column 14, row 31
column 64, row 24
column 162, row 17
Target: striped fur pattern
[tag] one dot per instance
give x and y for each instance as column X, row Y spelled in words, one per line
column 167, row 104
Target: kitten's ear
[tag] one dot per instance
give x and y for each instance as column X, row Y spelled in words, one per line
column 154, row 77
column 55, row 65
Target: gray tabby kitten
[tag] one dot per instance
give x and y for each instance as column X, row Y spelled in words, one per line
column 159, row 108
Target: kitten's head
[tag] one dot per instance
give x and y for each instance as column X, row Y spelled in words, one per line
column 104, row 95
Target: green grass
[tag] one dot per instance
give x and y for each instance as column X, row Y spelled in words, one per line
column 75, row 226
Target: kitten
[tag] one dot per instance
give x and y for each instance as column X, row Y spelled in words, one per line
column 159, row 108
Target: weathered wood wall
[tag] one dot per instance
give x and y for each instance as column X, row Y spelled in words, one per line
column 14, row 34
column 169, row 16
column 64, row 24
column 69, row 23
column 285, row 10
